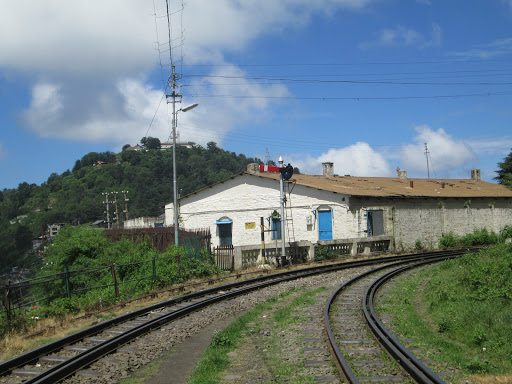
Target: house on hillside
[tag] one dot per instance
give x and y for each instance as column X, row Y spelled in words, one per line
column 135, row 148
column 186, row 144
column 325, row 209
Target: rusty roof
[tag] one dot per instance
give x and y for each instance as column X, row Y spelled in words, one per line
column 395, row 187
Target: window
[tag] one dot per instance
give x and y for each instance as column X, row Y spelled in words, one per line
column 276, row 226
column 225, row 229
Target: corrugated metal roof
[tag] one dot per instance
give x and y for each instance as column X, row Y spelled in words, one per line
column 394, row 187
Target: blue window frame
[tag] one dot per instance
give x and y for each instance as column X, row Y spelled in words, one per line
column 276, row 227
column 225, row 225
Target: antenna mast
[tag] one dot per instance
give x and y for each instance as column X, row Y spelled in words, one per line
column 426, row 154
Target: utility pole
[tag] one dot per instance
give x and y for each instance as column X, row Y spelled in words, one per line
column 125, row 203
column 107, row 202
column 426, row 154
column 174, row 96
column 117, row 212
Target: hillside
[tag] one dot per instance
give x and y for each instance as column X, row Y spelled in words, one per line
column 75, row 197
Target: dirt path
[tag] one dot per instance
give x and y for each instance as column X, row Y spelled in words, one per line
column 177, row 365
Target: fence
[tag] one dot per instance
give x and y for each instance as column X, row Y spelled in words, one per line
column 113, row 278
column 160, row 238
column 224, row 257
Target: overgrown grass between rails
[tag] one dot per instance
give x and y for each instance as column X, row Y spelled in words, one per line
column 215, row 359
column 463, row 311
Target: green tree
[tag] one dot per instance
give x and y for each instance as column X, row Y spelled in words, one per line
column 153, row 143
column 505, row 172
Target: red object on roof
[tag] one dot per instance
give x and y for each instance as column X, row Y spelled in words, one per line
column 268, row 168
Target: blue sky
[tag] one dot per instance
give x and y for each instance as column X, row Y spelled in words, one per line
column 361, row 83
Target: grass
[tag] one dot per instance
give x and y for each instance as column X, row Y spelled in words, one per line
column 215, row 360
column 460, row 311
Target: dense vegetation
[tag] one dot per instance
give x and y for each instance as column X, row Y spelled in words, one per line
column 460, row 310
column 87, row 254
column 75, row 196
column 479, row 237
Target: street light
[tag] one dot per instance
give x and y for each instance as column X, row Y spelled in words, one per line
column 174, row 178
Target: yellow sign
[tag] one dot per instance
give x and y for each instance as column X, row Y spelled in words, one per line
column 250, row 225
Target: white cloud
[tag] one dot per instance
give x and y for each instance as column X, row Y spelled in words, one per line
column 124, row 114
column 89, row 60
column 88, row 37
column 358, row 159
column 445, row 151
column 487, row 51
column 447, row 156
column 46, row 106
column 403, row 36
column 491, row 145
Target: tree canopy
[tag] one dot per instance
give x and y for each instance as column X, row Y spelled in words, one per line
column 75, row 197
column 505, row 171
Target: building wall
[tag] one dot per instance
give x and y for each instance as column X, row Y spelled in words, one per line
column 427, row 219
column 143, row 222
column 245, row 199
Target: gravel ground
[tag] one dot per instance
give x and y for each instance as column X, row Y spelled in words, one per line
column 155, row 345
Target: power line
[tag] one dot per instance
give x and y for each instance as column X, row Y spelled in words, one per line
column 287, row 79
column 329, row 98
column 429, row 62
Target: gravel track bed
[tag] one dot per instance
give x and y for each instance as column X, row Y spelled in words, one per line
column 154, row 345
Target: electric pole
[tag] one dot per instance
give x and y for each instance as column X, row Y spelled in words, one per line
column 117, row 212
column 426, row 154
column 174, row 96
column 125, row 203
column 107, row 202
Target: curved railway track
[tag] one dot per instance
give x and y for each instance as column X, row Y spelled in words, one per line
column 359, row 341
column 56, row 361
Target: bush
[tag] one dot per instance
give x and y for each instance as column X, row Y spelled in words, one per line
column 478, row 237
column 448, row 240
column 325, row 253
column 418, row 245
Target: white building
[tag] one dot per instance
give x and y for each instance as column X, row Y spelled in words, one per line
column 330, row 208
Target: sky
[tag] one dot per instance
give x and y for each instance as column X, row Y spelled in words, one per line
column 370, row 85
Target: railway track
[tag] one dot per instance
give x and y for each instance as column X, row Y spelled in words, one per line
column 56, row 361
column 360, row 343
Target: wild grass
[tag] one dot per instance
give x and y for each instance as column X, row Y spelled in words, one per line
column 460, row 310
column 215, row 360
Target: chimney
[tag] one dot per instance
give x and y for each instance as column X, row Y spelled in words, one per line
column 401, row 173
column 328, row 169
column 476, row 175
column 253, row 168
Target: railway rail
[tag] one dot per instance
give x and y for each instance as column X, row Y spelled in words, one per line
column 56, row 361
column 358, row 339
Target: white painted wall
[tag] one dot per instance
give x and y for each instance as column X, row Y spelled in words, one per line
column 246, row 198
column 142, row 222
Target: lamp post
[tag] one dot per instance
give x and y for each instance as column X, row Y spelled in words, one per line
column 174, row 176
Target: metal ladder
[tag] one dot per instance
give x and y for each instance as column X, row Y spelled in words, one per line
column 288, row 216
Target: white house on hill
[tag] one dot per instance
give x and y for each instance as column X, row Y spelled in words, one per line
column 327, row 208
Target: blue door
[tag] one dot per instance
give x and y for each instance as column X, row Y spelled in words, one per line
column 325, row 225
